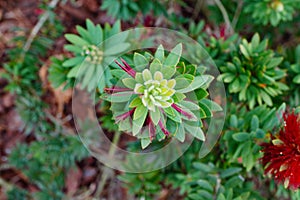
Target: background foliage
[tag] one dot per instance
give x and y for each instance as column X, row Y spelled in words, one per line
column 253, row 43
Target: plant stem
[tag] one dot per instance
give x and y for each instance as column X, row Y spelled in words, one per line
column 225, row 16
column 237, row 14
column 6, row 186
column 37, row 28
column 197, row 9
column 107, row 172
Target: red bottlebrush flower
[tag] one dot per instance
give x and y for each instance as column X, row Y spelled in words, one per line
column 282, row 155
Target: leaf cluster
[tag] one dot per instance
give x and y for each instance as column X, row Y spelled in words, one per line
column 253, row 73
column 189, row 94
column 45, row 162
column 128, row 9
column 245, row 130
column 271, row 11
column 92, row 54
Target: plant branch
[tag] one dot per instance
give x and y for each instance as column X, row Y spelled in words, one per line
column 225, row 16
column 197, row 9
column 37, row 28
column 237, row 14
column 107, row 172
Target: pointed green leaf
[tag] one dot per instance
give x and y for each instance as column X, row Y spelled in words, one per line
column 229, row 172
column 136, row 128
column 139, row 78
column 274, row 62
column 233, row 121
column 73, row 61
column 254, row 123
column 174, row 56
column 119, row 73
column 116, row 27
column 178, row 97
column 124, row 125
column 241, row 136
column 73, row 72
column 255, row 40
column 73, row 48
column 244, row 51
column 84, row 33
column 75, row 39
column 88, row 76
column 266, row 98
column 135, row 102
column 296, row 79
column 155, row 66
column 117, row 97
column 189, row 105
column 155, row 116
column 139, row 111
column 148, row 56
column 180, row 134
column 98, row 35
column 158, row 76
column 140, row 61
column 137, row 124
column 196, row 131
column 183, row 81
column 199, row 82
column 145, row 142
column 116, row 49
column 168, row 72
column 147, row 75
column 160, row 53
column 173, row 114
column 129, row 82
column 213, row 106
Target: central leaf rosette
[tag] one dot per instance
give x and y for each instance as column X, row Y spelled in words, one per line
column 92, row 53
column 159, row 97
column 155, row 91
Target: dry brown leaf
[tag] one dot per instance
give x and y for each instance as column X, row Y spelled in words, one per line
column 163, row 194
column 43, row 72
column 61, row 96
column 73, row 181
column 8, row 100
column 89, row 175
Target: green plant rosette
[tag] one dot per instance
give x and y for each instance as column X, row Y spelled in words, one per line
column 271, row 11
column 91, row 54
column 253, row 74
column 160, row 97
